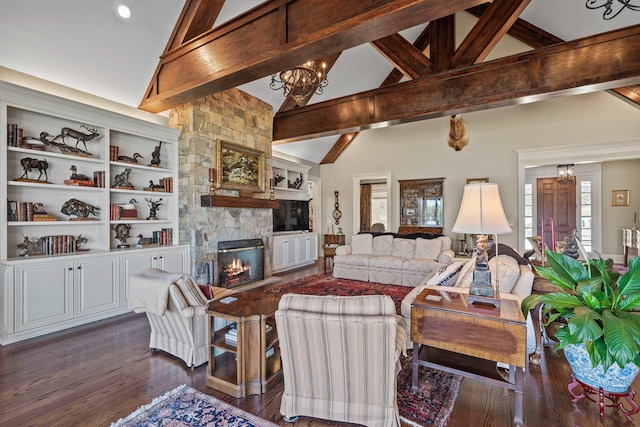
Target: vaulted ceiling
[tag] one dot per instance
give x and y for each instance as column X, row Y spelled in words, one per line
column 390, row 61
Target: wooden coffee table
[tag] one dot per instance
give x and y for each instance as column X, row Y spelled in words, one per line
column 454, row 337
column 251, row 365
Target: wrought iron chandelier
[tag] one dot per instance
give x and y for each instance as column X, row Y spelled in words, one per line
column 612, row 8
column 566, row 173
column 301, row 81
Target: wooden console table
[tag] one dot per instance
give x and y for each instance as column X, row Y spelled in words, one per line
column 331, row 241
column 244, row 368
column 454, row 337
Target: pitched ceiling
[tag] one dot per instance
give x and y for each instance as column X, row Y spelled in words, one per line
column 84, row 45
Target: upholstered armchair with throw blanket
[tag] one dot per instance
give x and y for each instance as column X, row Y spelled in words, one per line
column 176, row 309
column 340, row 358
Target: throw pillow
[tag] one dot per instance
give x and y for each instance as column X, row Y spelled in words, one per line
column 446, row 242
column 428, row 248
column 404, row 248
column 448, row 275
column 508, row 272
column 207, row 291
column 465, row 277
column 382, row 245
column 362, row 244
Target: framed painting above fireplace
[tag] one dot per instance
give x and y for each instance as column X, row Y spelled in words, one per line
column 239, row 168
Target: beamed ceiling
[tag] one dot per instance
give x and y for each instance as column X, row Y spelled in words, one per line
column 389, row 62
column 441, row 79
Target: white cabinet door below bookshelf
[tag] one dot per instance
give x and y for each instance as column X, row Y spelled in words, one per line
column 173, row 260
column 95, row 284
column 43, row 294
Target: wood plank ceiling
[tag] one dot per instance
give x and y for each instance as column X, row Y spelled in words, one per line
column 442, row 80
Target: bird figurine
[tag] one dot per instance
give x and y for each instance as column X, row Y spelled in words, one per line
column 130, row 205
column 130, row 159
column 78, row 176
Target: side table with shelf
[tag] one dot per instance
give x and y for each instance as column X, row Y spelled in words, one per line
column 246, row 368
column 453, row 336
column 331, row 242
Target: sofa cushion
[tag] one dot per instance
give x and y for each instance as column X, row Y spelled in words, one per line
column 404, row 248
column 420, row 265
column 508, row 272
column 386, row 262
column 448, row 275
column 446, row 242
column 382, row 245
column 362, row 244
column 428, row 248
column 355, row 260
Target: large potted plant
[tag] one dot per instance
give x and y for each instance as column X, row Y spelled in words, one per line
column 599, row 309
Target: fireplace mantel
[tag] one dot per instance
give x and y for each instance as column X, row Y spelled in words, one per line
column 209, row 201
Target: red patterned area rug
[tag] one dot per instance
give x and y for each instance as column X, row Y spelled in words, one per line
column 321, row 284
column 433, row 403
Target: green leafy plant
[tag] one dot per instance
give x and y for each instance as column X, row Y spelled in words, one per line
column 600, row 307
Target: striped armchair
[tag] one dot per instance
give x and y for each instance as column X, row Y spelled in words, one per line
column 178, row 318
column 340, row 358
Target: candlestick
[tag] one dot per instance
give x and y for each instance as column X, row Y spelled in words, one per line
column 542, row 235
column 553, row 236
column 272, row 196
column 212, row 181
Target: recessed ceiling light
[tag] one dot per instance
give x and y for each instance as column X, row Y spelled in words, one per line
column 124, row 12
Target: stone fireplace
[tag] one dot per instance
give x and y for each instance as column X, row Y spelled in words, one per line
column 240, row 262
column 238, row 118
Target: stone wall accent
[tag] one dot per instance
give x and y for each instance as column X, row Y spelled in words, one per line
column 231, row 116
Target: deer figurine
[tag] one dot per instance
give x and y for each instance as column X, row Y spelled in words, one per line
column 458, row 133
column 79, row 136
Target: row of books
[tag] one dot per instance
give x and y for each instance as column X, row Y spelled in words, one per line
column 59, row 244
column 27, row 211
column 163, row 236
column 117, row 213
column 231, row 337
column 167, row 184
column 114, row 153
column 14, row 135
column 99, row 178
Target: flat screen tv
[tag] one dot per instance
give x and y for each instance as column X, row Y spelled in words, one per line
column 291, row 215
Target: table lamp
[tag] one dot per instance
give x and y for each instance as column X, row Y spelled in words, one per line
column 481, row 213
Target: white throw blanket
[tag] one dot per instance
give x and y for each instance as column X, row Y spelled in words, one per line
column 149, row 290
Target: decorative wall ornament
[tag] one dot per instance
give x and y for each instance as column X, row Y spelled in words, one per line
column 458, row 133
column 336, row 212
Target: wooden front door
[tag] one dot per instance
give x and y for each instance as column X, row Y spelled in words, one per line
column 556, row 200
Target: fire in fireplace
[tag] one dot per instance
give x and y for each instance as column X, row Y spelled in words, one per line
column 240, row 262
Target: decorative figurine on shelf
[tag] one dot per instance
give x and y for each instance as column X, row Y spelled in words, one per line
column 297, row 183
column 153, row 186
column 154, row 205
column 122, row 234
column 78, row 176
column 155, row 156
column 64, row 148
column 130, row 159
column 29, row 164
column 79, row 209
column 78, row 136
column 121, row 180
column 277, row 178
column 31, row 247
column 80, row 242
column 143, row 240
column 130, row 205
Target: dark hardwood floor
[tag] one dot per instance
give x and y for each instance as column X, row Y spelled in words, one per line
column 95, row 374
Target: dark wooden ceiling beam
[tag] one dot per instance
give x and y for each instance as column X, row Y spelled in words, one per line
column 290, row 103
column 491, row 26
column 594, row 63
column 536, row 37
column 443, row 42
column 410, row 61
column 279, row 34
column 197, row 17
column 422, row 43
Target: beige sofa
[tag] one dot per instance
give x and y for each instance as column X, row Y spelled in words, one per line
column 391, row 260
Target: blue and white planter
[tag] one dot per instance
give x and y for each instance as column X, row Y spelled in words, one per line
column 615, row 380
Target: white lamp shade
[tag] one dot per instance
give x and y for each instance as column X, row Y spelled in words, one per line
column 481, row 211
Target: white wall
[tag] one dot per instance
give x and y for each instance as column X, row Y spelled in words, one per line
column 420, row 150
column 619, row 175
